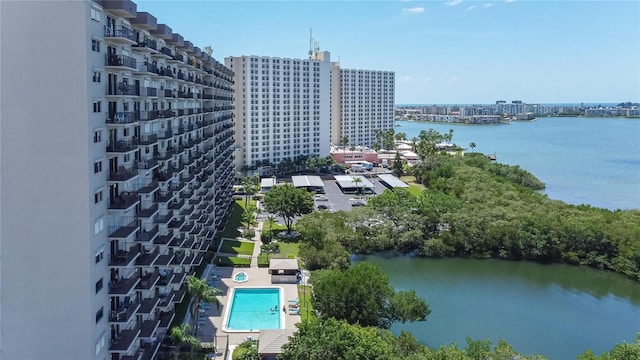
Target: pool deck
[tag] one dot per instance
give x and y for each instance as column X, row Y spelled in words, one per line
column 211, row 330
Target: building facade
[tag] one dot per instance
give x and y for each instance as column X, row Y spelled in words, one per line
column 364, row 103
column 116, row 173
column 282, row 109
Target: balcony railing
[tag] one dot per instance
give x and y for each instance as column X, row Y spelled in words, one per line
column 124, row 312
column 148, row 280
column 148, row 139
column 124, row 257
column 148, row 67
column 166, row 51
column 122, row 341
column 119, row 32
column 122, row 174
column 148, row 43
column 124, row 201
column 147, row 235
column 165, row 114
column 122, row 117
column 121, row 60
column 123, row 89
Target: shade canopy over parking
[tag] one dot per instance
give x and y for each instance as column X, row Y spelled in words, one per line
column 391, row 181
column 348, row 183
column 310, row 182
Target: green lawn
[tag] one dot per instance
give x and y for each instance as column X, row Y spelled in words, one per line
column 224, row 261
column 306, row 309
column 414, row 188
column 286, row 249
column 234, row 222
column 237, row 247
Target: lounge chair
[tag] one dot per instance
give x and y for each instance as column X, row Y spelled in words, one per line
column 294, row 311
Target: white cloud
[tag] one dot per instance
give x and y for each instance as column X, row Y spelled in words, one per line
column 471, row 7
column 405, row 78
column 413, row 10
column 509, row 1
column 453, row 2
column 488, row 5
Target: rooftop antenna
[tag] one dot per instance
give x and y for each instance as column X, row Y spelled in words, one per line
column 310, row 42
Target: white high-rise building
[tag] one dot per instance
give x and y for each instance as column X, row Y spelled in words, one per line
column 361, row 102
column 282, row 109
column 117, row 170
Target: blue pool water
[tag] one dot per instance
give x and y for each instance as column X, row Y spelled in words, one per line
column 240, row 277
column 252, row 309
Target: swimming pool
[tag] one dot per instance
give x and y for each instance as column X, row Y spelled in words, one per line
column 251, row 309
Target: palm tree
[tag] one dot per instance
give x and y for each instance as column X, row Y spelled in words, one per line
column 345, row 141
column 200, row 291
column 271, row 219
column 472, row 145
column 180, row 337
column 357, row 180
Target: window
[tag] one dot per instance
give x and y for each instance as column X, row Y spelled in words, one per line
column 99, row 314
column 97, row 136
column 97, row 167
column 101, row 342
column 95, row 45
column 96, row 15
column 97, row 106
column 98, row 285
column 97, row 76
column 99, row 225
column 99, row 255
column 97, row 197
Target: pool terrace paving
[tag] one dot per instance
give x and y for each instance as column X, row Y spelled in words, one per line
column 212, row 328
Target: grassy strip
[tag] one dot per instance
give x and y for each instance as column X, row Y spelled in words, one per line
column 414, row 189
column 234, row 222
column 306, row 309
column 287, row 249
column 237, row 247
column 232, row 261
column 263, row 260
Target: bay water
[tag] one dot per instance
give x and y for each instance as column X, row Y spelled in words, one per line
column 554, row 310
column 594, row 161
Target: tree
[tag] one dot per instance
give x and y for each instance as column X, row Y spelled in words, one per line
column 344, row 141
column 388, row 139
column 180, row 336
column 288, row 202
column 200, row 291
column 357, row 180
column 250, row 187
column 472, row 145
column 332, row 339
column 397, row 165
column 247, row 350
column 362, row 295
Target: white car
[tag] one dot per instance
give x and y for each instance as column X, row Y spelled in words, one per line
column 321, row 198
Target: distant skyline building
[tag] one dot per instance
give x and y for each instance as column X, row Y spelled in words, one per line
column 116, row 175
column 364, row 103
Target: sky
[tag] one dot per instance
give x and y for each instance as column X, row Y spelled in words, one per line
column 442, row 52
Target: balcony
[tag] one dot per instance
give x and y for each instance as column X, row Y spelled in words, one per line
column 124, row 312
column 147, row 45
column 122, row 117
column 148, row 257
column 166, row 93
column 150, row 349
column 163, row 240
column 147, row 164
column 123, row 174
column 162, row 219
column 148, row 281
column 149, row 91
column 124, row 231
column 124, row 257
column 164, row 196
column 165, row 134
column 123, row 89
column 123, row 286
column 148, row 187
column 163, row 175
column 124, row 339
column 150, row 326
column 163, row 114
column 166, row 318
column 148, row 235
column 149, row 212
column 124, row 201
column 121, row 61
column 163, row 260
column 149, row 304
column 119, row 35
column 166, row 52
